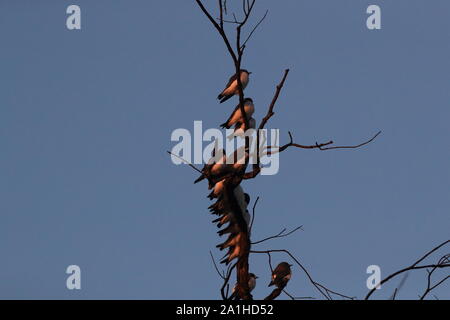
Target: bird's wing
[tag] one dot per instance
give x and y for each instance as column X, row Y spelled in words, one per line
column 284, row 274
column 228, row 123
column 230, row 81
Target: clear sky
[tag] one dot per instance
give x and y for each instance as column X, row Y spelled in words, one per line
column 86, row 118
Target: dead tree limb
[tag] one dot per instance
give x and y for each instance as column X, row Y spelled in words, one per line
column 280, row 234
column 442, row 263
column 236, row 55
column 270, row 111
column 242, row 264
column 186, row 162
column 320, row 146
column 253, row 214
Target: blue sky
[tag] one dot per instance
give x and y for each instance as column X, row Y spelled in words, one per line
column 86, row 118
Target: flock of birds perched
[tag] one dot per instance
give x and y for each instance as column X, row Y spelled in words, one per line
column 224, row 174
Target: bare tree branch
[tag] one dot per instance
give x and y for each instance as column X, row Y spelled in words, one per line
column 221, row 14
column 226, row 281
column 185, row 161
column 298, row 298
column 242, row 263
column 219, row 29
column 222, row 275
column 281, row 234
column 254, row 29
column 353, row 147
column 270, row 111
column 253, row 214
column 322, row 289
column 430, row 287
column 240, row 52
column 321, row 146
column 414, row 266
column 400, row 285
column 236, row 52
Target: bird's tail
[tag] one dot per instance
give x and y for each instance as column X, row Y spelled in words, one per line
column 200, row 178
column 225, row 125
column 225, row 98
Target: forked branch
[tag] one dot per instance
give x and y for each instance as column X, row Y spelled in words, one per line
column 442, row 263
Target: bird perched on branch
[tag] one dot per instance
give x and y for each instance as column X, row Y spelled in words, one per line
column 229, row 207
column 281, row 275
column 240, row 129
column 216, row 171
column 216, row 167
column 219, row 208
column 232, row 88
column 236, row 163
column 236, row 118
column 217, row 190
column 251, row 285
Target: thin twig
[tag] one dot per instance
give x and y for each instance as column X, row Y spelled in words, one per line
column 185, row 161
column 400, row 285
column 254, row 29
column 253, row 214
column 226, row 281
column 321, row 146
column 215, row 266
column 298, row 298
column 270, row 111
column 281, row 234
column 256, row 168
column 353, row 147
column 429, row 286
column 221, row 14
column 219, row 29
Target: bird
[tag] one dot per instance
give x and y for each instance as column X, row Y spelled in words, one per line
column 238, row 157
column 236, row 118
column 231, row 88
column 243, row 200
column 235, row 163
column 226, row 215
column 215, row 166
column 240, row 129
column 251, row 285
column 217, row 190
column 281, row 275
column 252, row 281
column 216, row 171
